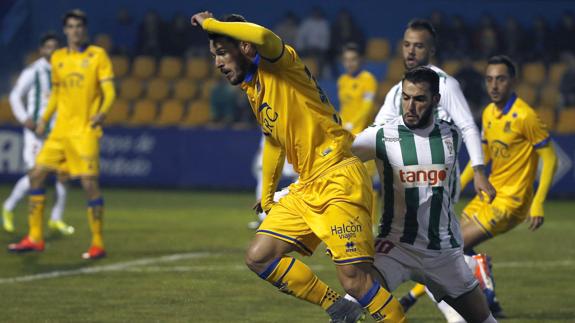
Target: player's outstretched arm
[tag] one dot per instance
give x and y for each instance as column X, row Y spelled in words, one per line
column 269, row 45
column 272, row 165
column 364, row 145
column 549, row 158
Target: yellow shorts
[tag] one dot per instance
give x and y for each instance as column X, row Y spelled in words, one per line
column 80, row 154
column 502, row 215
column 334, row 208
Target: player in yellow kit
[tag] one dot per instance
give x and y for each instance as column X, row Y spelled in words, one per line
column 331, row 202
column 82, row 94
column 356, row 89
column 514, row 138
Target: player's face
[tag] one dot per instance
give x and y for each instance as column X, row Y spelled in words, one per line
column 417, row 48
column 418, row 104
column 230, row 61
column 75, row 31
column 499, row 83
column 48, row 48
column 351, row 61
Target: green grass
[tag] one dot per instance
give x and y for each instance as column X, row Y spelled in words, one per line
column 534, row 271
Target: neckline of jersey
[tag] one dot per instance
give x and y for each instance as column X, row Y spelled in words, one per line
column 256, row 62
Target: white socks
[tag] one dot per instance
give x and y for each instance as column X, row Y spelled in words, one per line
column 60, row 203
column 21, row 188
column 18, row 192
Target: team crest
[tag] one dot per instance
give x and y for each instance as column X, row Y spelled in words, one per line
column 85, row 63
column 507, row 127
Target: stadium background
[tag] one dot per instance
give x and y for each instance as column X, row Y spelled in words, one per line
column 166, row 131
column 173, row 253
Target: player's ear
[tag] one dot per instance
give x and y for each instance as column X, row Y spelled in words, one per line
column 436, row 98
column 247, row 49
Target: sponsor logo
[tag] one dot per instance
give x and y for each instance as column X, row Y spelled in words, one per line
column 422, row 176
column 346, row 230
column 268, row 118
column 350, row 247
column 499, row 149
column 391, row 139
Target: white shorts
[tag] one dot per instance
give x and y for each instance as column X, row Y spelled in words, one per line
column 32, row 146
column 443, row 272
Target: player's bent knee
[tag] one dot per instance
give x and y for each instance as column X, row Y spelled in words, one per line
column 263, row 251
column 355, row 278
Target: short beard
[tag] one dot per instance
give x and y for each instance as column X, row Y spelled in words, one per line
column 423, row 121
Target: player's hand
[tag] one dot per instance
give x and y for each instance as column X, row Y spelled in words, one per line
column 482, row 185
column 30, row 124
column 535, row 222
column 258, row 207
column 40, row 128
column 198, row 19
column 97, row 119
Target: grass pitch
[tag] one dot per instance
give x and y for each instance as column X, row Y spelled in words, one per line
column 177, row 256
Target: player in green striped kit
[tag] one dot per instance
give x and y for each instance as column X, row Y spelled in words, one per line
column 419, row 237
column 34, row 84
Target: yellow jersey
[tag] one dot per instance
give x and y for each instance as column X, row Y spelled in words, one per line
column 76, row 78
column 295, row 114
column 356, row 94
column 511, row 136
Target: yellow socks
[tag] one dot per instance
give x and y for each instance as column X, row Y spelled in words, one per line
column 95, row 218
column 382, row 306
column 36, row 202
column 417, row 291
column 293, row 277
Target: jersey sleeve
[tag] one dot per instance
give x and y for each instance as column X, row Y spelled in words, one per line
column 23, row 85
column 534, row 130
column 364, row 145
column 453, row 101
column 105, row 71
column 388, row 110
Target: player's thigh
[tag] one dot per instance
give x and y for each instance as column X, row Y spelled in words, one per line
column 339, row 213
column 51, row 155
column 393, row 263
column 447, row 275
column 82, row 155
column 493, row 219
column 285, row 222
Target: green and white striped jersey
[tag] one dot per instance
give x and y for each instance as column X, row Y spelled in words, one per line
column 34, row 83
column 417, row 171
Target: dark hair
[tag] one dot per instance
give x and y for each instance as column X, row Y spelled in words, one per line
column 48, row 36
column 505, row 60
column 423, row 24
column 352, row 47
column 423, row 74
column 234, row 17
column 76, row 14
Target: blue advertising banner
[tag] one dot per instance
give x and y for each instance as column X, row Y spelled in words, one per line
column 200, row 158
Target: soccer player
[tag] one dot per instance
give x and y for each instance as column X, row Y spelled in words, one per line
column 419, row 237
column 356, row 90
column 331, row 202
column 419, row 46
column 514, row 139
column 82, row 93
column 34, row 83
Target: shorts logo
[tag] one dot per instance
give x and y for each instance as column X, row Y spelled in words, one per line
column 422, row 176
column 350, row 247
column 346, row 230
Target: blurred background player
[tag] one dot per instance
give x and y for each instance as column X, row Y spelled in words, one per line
column 514, row 139
column 356, row 90
column 83, row 92
column 419, row 237
column 34, row 84
column 418, row 47
column 333, row 191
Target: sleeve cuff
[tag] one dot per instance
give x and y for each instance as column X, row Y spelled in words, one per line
column 542, row 143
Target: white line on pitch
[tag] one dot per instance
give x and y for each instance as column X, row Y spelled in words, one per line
column 112, row 267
